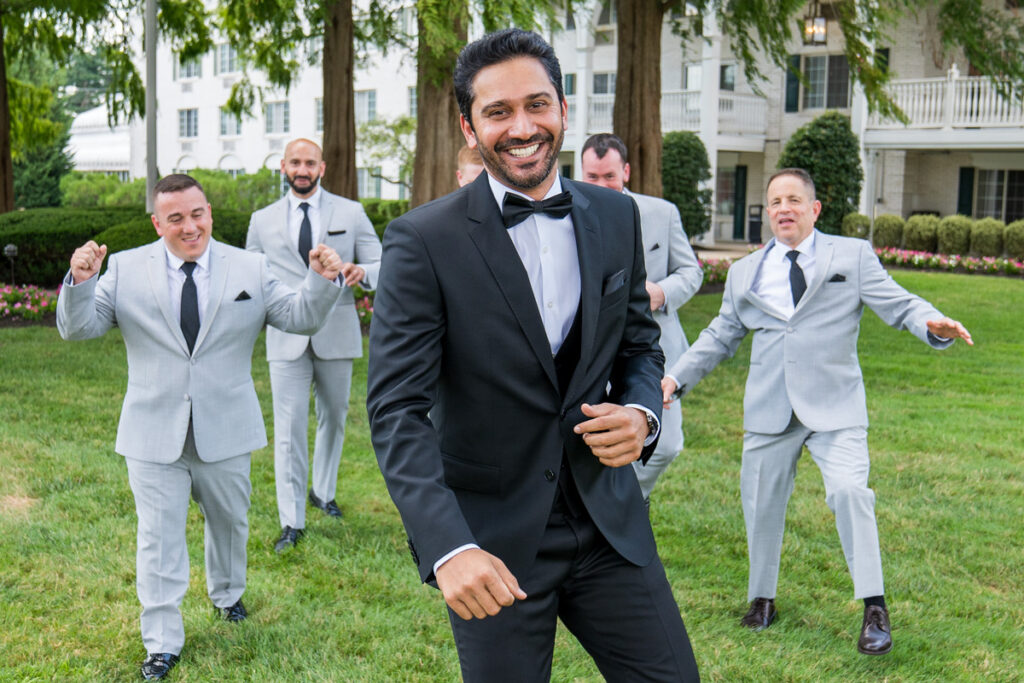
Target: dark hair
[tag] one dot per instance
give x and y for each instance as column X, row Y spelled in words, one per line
column 799, row 173
column 602, row 142
column 497, row 47
column 175, row 182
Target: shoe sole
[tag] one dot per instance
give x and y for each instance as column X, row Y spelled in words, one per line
column 875, row 652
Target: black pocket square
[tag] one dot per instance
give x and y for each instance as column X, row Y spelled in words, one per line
column 336, row 232
column 244, row 296
column 656, row 247
column 838, row 278
column 613, row 282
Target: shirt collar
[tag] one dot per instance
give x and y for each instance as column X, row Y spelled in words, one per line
column 806, row 247
column 498, row 189
column 203, row 261
column 313, row 200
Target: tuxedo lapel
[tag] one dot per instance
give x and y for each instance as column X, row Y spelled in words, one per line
column 496, row 249
column 156, row 266
column 588, row 248
column 326, row 214
column 218, row 280
column 757, row 260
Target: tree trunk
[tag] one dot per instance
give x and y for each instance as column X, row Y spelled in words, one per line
column 637, row 111
column 6, row 169
column 438, row 136
column 339, row 103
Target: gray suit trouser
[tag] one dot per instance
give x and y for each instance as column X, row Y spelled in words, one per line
column 161, row 493
column 289, row 385
column 766, row 482
column 669, row 444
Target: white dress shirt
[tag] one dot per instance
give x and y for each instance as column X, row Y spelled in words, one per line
column 772, row 282
column 176, row 280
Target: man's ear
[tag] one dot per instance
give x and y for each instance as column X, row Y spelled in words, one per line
column 625, row 172
column 467, row 131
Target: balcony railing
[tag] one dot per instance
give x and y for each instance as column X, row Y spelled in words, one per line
column 951, row 102
column 738, row 114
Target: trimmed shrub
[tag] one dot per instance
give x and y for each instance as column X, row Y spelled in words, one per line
column 1013, row 236
column 46, row 238
column 954, row 237
column 856, row 225
column 383, row 211
column 684, row 171
column 828, row 149
column 987, row 237
column 921, row 233
column 888, row 231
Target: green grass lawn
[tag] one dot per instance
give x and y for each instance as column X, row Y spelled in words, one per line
column 347, row 605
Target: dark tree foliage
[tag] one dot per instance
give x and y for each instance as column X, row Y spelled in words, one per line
column 684, row 171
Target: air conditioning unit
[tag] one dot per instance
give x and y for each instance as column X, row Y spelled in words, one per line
column 186, row 87
column 228, row 145
column 186, row 147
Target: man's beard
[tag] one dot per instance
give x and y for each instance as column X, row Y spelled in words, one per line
column 527, row 179
column 292, row 180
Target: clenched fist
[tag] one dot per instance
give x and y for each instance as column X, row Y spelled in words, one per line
column 325, row 261
column 86, row 261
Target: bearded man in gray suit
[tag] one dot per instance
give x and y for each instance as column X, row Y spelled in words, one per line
column 673, row 277
column 803, row 296
column 190, row 309
column 283, row 231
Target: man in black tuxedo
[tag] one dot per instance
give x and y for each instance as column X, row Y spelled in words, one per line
column 514, row 375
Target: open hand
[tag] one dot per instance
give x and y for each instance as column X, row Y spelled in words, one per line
column 947, row 328
column 668, row 390
column 86, row 261
column 657, row 295
column 352, row 273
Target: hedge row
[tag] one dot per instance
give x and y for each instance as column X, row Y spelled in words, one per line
column 950, row 235
column 45, row 238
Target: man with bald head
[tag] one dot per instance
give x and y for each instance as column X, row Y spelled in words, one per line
column 306, row 215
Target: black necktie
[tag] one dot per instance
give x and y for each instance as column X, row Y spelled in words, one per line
column 189, row 306
column 305, row 234
column 516, row 209
column 797, row 283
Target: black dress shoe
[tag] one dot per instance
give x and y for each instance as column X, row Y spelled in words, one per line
column 875, row 632
column 234, row 613
column 330, row 508
column 158, row 665
column 289, row 537
column 760, row 615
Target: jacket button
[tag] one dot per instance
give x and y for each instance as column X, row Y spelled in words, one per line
column 187, row 397
column 549, row 475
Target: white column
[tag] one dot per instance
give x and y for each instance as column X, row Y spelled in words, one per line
column 711, row 65
column 584, row 80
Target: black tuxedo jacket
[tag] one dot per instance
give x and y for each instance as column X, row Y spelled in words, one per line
column 456, row 333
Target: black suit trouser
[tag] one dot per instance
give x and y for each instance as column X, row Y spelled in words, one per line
column 624, row 616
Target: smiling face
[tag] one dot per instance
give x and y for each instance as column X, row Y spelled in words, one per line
column 184, row 221
column 607, row 171
column 791, row 210
column 302, row 166
column 517, row 124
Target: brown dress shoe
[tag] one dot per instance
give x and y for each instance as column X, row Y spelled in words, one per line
column 875, row 633
column 760, row 615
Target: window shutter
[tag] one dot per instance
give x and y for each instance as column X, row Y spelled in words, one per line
column 793, row 84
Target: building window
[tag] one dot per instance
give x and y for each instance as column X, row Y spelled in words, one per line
column 188, row 68
column 727, row 77
column 692, row 74
column 609, row 13
column 319, row 115
column 226, row 59
column 366, row 106
column 278, row 117
column 369, row 182
column 188, row 123
column 230, row 124
column 569, row 84
column 828, row 82
column 604, row 84
column 1000, row 195
column 413, row 107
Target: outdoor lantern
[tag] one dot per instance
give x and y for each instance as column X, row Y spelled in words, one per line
column 10, row 251
column 815, row 25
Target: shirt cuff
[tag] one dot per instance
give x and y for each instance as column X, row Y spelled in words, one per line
column 941, row 342
column 453, row 553
column 653, row 435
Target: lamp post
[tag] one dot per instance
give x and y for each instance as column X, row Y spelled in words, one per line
column 10, row 251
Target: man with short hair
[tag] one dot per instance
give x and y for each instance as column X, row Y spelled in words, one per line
column 283, row 231
column 513, row 377
column 470, row 165
column 673, row 277
column 190, row 309
column 803, row 295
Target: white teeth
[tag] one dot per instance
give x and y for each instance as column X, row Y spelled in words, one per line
column 524, row 151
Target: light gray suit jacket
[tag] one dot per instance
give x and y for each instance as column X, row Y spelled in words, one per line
column 213, row 386
column 345, row 228
column 671, row 264
column 806, row 365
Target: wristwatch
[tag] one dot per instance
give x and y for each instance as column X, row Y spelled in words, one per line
column 652, row 424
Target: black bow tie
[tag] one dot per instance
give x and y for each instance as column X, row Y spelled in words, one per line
column 516, row 209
